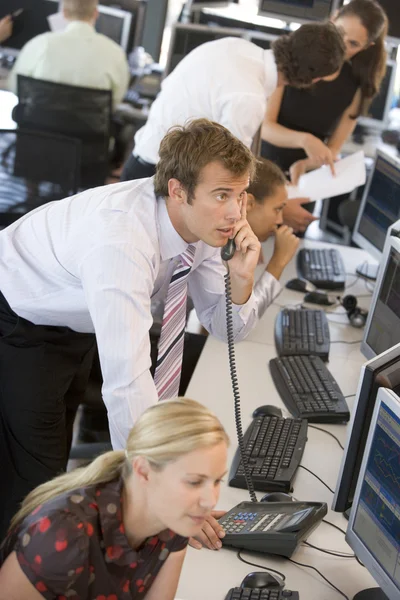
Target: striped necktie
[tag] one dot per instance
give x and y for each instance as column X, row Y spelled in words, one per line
column 170, row 347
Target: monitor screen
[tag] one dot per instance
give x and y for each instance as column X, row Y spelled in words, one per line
column 380, row 206
column 137, row 10
column 374, row 526
column 382, row 329
column 383, row 370
column 32, row 21
column 186, row 38
column 115, row 24
column 298, row 10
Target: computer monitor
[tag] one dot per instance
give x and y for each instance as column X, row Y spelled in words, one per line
column 300, row 11
column 382, row 329
column 374, row 526
column 115, row 24
column 137, row 8
column 186, row 37
column 378, row 112
column 391, row 7
column 379, row 209
column 383, row 370
column 32, row 21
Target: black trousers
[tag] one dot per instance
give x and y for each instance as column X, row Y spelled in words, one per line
column 135, row 168
column 43, row 376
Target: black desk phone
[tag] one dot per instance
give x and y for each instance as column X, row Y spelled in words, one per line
column 273, row 527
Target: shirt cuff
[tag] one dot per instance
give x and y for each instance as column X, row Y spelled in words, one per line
column 244, row 310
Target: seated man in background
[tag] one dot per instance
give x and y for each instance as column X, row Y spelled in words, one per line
column 76, row 56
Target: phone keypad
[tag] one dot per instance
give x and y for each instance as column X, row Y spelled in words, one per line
column 251, row 521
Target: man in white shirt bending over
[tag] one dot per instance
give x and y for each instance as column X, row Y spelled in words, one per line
column 229, row 81
column 76, row 56
column 87, row 268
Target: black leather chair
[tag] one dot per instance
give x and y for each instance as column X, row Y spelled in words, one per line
column 35, row 168
column 82, row 113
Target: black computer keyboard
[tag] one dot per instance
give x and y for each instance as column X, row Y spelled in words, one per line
column 260, row 594
column 308, row 389
column 302, row 331
column 323, row 267
column 274, row 447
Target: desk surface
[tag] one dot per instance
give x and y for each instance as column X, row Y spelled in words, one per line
column 208, row 574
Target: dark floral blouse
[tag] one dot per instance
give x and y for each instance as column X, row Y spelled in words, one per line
column 74, row 548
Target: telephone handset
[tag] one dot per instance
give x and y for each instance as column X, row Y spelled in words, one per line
column 228, row 250
column 276, row 528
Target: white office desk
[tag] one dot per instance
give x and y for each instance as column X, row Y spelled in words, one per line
column 209, row 575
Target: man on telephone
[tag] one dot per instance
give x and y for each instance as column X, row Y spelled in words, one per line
column 86, row 269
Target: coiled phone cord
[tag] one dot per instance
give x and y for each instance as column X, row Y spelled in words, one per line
column 235, row 384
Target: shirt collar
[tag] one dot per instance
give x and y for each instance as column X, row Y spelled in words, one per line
column 271, row 72
column 171, row 243
column 82, row 26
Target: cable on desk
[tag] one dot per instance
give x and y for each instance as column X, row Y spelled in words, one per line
column 359, row 562
column 335, row 526
column 344, row 342
column 369, row 289
column 321, row 575
column 357, row 277
column 317, row 477
column 240, row 557
column 331, row 552
column 328, row 432
column 349, row 395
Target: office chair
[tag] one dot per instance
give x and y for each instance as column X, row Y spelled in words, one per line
column 35, row 168
column 82, row 113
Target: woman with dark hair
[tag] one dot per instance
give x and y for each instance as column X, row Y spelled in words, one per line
column 305, row 128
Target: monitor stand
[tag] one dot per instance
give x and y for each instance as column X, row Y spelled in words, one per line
column 371, row 594
column 368, row 270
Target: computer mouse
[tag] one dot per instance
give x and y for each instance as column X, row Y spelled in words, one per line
column 277, row 497
column 300, row 285
column 262, row 579
column 318, row 298
column 267, row 410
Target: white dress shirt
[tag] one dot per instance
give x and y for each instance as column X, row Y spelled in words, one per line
column 76, row 56
column 227, row 80
column 94, row 262
column 266, row 289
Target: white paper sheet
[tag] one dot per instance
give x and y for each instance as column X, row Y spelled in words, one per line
column 57, row 22
column 320, row 184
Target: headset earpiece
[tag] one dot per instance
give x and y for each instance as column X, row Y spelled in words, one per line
column 357, row 316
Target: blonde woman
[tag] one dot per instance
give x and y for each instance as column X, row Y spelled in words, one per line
column 118, row 529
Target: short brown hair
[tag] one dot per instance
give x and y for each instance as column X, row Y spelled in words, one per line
column 186, row 150
column 314, row 50
column 81, row 10
column 268, row 177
